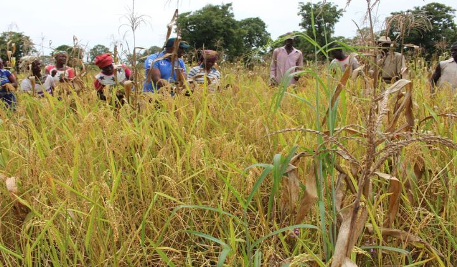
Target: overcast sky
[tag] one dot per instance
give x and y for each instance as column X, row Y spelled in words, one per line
column 97, row 21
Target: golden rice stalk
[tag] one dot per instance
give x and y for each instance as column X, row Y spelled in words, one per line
column 10, row 87
column 33, row 81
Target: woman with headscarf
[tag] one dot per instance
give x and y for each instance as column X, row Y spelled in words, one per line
column 110, row 74
column 60, row 71
column 37, row 83
column 206, row 70
column 6, row 77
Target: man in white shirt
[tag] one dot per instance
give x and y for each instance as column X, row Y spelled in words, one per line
column 446, row 71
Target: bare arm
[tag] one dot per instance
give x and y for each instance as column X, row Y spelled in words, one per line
column 13, row 80
column 435, row 77
column 157, row 78
column 299, row 65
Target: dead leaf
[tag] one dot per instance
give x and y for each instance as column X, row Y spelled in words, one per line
column 344, row 79
column 308, row 200
column 348, row 234
column 394, row 198
column 11, row 185
column 405, row 237
column 291, row 190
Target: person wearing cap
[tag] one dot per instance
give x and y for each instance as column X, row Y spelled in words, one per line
column 60, row 71
column 341, row 61
column 206, row 70
column 285, row 58
column 445, row 73
column 37, row 82
column 110, row 74
column 6, row 77
column 392, row 64
column 158, row 66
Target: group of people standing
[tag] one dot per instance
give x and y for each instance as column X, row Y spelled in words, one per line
column 390, row 64
column 167, row 67
column 36, row 82
column 159, row 72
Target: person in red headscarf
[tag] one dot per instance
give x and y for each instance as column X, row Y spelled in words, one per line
column 110, row 74
column 206, row 70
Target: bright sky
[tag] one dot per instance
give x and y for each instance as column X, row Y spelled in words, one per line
column 98, row 21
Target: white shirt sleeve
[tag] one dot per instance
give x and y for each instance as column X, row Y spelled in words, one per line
column 49, row 83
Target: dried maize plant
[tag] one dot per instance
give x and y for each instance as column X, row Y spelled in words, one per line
column 77, row 55
column 10, row 51
column 133, row 22
column 386, row 134
column 403, row 23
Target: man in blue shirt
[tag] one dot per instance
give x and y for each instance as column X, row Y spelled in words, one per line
column 161, row 68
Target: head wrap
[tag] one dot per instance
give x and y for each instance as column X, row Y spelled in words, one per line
column 208, row 54
column 103, row 60
column 58, row 53
column 26, row 62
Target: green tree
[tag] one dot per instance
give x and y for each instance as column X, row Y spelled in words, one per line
column 24, row 44
column 254, row 33
column 325, row 16
column 215, row 27
column 443, row 28
column 97, row 50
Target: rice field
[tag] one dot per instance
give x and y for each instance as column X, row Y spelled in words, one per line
column 247, row 176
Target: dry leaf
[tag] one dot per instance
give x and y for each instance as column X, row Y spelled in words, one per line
column 291, row 190
column 405, row 237
column 11, row 185
column 344, row 79
column 308, row 200
column 394, row 198
column 348, row 263
column 348, row 234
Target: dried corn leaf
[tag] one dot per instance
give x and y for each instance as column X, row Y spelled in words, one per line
column 308, row 200
column 405, row 237
column 406, row 107
column 290, row 190
column 344, row 79
column 349, row 231
column 11, row 185
column 394, row 198
column 357, row 71
column 348, row 263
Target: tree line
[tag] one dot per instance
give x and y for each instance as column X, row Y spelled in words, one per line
column 215, row 27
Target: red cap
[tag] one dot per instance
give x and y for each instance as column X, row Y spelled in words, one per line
column 103, row 60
